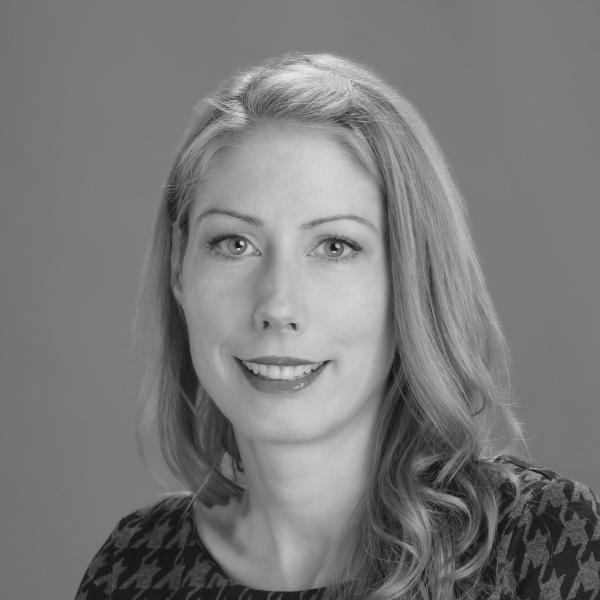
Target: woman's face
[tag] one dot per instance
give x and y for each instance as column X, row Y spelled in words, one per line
column 285, row 287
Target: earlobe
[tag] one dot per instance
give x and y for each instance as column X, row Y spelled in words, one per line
column 176, row 285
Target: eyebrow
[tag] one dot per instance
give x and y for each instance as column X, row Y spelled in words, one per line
column 308, row 225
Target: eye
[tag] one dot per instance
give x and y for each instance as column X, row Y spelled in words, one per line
column 338, row 249
column 232, row 245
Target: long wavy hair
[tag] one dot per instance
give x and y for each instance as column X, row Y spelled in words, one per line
column 426, row 525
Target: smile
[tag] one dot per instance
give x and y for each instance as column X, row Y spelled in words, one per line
column 287, row 373
column 280, row 378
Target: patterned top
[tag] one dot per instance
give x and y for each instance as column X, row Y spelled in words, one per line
column 547, row 548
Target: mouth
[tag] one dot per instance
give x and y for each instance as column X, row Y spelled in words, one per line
column 279, row 375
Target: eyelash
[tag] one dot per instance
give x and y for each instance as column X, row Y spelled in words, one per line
column 356, row 248
column 216, row 240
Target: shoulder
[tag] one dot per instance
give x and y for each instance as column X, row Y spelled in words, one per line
column 142, row 549
column 544, row 495
column 548, row 538
column 156, row 525
column 540, row 489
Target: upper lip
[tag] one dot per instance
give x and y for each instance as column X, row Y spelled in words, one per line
column 290, row 361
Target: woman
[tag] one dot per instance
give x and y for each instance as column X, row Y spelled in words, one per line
column 330, row 369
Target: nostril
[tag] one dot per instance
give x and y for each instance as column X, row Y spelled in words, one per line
column 279, row 323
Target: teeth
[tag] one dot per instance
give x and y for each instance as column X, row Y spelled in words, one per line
column 277, row 372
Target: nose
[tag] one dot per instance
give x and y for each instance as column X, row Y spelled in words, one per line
column 280, row 304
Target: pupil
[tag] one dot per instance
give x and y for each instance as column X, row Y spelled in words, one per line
column 335, row 247
column 237, row 245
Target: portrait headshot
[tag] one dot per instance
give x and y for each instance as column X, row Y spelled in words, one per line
column 302, row 301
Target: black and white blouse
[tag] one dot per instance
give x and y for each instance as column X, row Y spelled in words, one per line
column 547, row 548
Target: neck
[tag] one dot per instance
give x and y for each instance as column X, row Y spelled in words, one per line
column 300, row 502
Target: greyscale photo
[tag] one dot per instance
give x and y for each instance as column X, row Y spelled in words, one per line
column 301, row 301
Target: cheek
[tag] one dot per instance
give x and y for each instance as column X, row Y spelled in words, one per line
column 358, row 308
column 362, row 331
column 350, row 306
column 215, row 309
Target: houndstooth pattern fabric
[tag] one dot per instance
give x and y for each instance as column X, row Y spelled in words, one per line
column 547, row 548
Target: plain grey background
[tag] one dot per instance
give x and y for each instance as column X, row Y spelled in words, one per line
column 95, row 96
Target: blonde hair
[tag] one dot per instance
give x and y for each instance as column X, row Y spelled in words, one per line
column 428, row 518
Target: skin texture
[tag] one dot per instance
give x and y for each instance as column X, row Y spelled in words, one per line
column 276, row 288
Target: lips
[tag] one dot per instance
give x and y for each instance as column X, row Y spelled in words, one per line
column 282, row 371
column 273, row 374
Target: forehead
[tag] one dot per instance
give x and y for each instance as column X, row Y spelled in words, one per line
column 288, row 165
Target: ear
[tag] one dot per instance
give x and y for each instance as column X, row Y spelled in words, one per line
column 176, row 262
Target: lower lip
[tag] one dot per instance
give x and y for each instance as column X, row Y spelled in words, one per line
column 280, row 386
